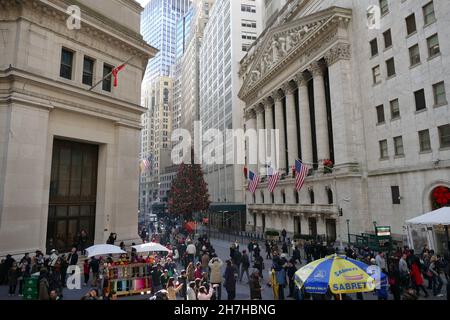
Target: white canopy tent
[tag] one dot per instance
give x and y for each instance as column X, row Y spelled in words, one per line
column 436, row 218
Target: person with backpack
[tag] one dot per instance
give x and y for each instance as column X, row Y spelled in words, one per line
column 416, row 277
column 437, row 280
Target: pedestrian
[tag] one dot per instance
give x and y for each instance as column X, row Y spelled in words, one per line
column 255, row 286
column 216, row 266
column 437, row 280
column 296, row 256
column 203, row 294
column 190, row 292
column 44, row 285
column 205, row 261
column 156, row 278
column 230, row 280
column 284, row 234
column 416, row 277
column 190, row 271
column 381, row 261
column 24, row 271
column 394, row 280
column 404, row 271
column 250, row 249
column 94, row 265
column 172, row 290
column 268, row 250
column 191, row 251
column 237, row 258
column 86, row 272
column 198, row 270
column 280, row 274
column 165, row 278
column 13, row 275
column 182, row 279
column 82, row 242
column 245, row 265
column 290, row 272
column 259, row 265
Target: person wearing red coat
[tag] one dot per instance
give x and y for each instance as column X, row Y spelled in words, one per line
column 417, row 278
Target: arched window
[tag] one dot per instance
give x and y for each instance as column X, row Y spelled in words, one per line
column 311, row 195
column 440, row 197
column 297, row 197
column 262, row 197
column 283, row 196
column 329, row 195
column 254, row 198
column 272, row 198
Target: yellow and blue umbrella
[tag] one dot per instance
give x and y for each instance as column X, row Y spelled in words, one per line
column 339, row 273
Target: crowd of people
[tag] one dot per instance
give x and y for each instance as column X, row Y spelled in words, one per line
column 192, row 270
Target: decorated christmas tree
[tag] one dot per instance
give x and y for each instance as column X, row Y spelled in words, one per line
column 189, row 192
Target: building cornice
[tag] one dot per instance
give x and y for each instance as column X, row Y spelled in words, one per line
column 12, row 75
column 314, row 210
column 432, row 165
column 93, row 24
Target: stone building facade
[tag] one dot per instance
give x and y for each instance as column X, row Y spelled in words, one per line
column 68, row 155
column 371, row 99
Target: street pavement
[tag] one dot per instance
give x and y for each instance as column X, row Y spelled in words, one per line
column 242, row 289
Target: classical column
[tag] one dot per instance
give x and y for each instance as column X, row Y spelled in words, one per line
column 280, row 126
column 320, row 111
column 342, row 106
column 305, row 119
column 251, row 148
column 268, row 116
column 260, row 126
column 291, row 125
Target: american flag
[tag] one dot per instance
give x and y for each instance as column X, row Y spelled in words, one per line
column 301, row 171
column 253, row 181
column 274, row 177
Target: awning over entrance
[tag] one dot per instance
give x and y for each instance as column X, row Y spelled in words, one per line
column 437, row 217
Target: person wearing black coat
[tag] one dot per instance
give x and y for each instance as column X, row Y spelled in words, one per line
column 230, row 280
column 255, row 286
column 291, row 269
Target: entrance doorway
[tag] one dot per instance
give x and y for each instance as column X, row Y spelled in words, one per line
column 297, row 225
column 73, row 194
column 331, row 230
column 312, row 222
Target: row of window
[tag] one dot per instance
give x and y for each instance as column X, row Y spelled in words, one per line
column 328, row 191
column 67, row 72
column 414, row 55
column 439, row 96
column 424, row 142
column 248, row 8
column 248, row 24
column 427, row 10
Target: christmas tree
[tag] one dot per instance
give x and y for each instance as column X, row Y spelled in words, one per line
column 189, row 192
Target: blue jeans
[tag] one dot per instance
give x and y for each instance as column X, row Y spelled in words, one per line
column 437, row 285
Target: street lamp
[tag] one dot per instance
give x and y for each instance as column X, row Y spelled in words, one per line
column 348, row 230
column 375, row 226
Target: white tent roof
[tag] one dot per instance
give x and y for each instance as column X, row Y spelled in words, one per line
column 437, row 217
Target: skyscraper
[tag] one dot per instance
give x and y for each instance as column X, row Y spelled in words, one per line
column 158, row 27
column 232, row 27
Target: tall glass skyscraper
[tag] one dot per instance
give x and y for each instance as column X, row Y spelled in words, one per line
column 159, row 28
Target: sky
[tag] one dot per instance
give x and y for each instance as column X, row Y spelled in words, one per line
column 143, row 2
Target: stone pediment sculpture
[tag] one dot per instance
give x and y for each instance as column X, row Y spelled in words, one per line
column 283, row 43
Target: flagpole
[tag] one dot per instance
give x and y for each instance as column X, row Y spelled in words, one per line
column 108, row 75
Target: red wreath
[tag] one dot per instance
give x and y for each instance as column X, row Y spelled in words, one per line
column 441, row 195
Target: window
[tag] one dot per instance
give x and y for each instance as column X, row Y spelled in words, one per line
column 390, row 65
column 411, row 24
column 272, row 198
column 283, row 196
column 387, row 39
column 383, row 149
column 384, row 6
column 329, row 195
column 311, row 196
column 380, row 114
column 428, row 13
column 395, row 109
column 248, row 8
column 374, row 47
column 106, row 86
column 444, row 136
column 66, row 64
column 420, row 100
column 424, row 140
column 439, row 94
column 414, row 55
column 395, row 191
column 88, row 71
column 398, row 146
column 433, row 46
column 262, row 197
column 376, row 74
